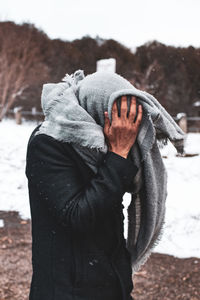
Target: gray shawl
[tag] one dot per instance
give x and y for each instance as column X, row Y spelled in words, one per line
column 74, row 113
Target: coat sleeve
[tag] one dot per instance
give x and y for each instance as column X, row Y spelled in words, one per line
column 54, row 174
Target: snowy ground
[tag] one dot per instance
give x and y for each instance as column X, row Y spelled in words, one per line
column 182, row 227
column 13, row 182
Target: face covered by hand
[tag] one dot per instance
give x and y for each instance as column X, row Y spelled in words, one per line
column 98, row 91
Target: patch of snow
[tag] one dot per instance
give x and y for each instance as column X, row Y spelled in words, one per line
column 197, row 103
column 1, row 223
column 13, row 187
column 180, row 116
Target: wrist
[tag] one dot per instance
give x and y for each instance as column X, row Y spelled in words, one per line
column 123, row 154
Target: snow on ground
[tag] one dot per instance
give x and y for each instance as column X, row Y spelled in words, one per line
column 182, row 223
column 13, row 182
column 182, row 231
column 1, row 223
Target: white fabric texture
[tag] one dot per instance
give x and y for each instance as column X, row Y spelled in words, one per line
column 74, row 113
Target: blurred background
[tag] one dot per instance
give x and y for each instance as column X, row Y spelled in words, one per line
column 156, row 46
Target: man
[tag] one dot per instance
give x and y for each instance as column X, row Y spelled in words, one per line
column 78, row 246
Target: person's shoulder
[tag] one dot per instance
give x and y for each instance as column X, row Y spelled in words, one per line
column 32, row 135
column 37, row 137
column 44, row 141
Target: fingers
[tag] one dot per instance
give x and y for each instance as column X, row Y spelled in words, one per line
column 139, row 115
column 106, row 122
column 124, row 107
column 114, row 111
column 132, row 112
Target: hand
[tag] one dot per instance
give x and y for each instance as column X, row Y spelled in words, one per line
column 122, row 133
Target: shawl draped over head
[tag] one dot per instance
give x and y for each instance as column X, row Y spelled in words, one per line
column 74, row 112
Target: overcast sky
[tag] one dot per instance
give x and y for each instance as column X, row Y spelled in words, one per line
column 133, row 23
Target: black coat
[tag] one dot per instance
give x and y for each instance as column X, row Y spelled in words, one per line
column 78, row 246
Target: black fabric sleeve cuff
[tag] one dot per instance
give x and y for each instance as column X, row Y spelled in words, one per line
column 123, row 166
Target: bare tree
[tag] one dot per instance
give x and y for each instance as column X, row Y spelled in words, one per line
column 20, row 63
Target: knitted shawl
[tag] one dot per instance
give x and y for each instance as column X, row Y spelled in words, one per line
column 74, row 113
